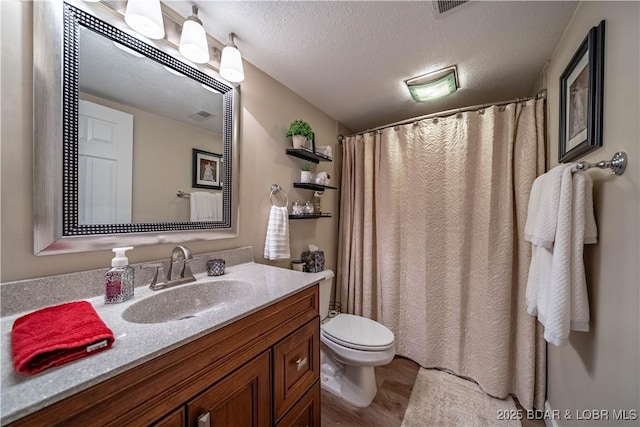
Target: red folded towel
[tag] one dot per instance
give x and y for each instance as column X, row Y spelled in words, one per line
column 56, row 335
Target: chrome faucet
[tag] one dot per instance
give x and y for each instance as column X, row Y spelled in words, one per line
column 177, row 253
column 185, row 276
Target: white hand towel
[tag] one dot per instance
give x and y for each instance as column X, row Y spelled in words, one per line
column 542, row 213
column 556, row 288
column 276, row 245
column 216, row 206
column 202, row 207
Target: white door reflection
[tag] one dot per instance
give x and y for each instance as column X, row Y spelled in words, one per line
column 105, row 164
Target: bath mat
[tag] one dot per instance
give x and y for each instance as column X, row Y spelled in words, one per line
column 441, row 399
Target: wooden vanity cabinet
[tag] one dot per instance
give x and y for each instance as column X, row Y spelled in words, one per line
column 241, row 399
column 262, row 370
column 296, row 367
column 174, row 419
column 305, row 413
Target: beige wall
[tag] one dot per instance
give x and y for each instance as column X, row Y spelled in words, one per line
column 600, row 369
column 267, row 109
column 162, row 157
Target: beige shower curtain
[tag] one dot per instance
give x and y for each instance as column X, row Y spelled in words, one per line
column 431, row 223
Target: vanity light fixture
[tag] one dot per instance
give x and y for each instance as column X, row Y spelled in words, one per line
column 433, row 85
column 145, row 17
column 193, row 42
column 231, row 63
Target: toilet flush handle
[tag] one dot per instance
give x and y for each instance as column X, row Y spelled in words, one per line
column 300, row 363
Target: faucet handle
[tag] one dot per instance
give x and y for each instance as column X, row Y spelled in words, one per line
column 186, row 267
column 158, row 268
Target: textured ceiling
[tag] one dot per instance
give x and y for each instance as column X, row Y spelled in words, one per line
column 350, row 59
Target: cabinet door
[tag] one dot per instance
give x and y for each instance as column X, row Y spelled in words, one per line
column 305, row 413
column 296, row 361
column 242, row 399
column 174, row 419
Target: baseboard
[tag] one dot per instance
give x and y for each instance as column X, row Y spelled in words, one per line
column 549, row 422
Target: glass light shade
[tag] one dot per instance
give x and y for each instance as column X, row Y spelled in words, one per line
column 193, row 42
column 231, row 65
column 433, row 89
column 145, row 17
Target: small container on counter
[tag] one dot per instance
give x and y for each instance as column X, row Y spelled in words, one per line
column 215, row 267
column 297, row 265
column 119, row 284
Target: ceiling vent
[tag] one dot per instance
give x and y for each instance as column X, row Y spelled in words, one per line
column 201, row 115
column 445, row 7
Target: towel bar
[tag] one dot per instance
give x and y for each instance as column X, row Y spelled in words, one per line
column 617, row 164
column 181, row 193
column 275, row 188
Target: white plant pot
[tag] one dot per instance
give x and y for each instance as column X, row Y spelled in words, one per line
column 298, row 141
column 305, row 176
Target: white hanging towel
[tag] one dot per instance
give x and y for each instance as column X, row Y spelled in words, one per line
column 206, row 206
column 556, row 288
column 216, row 205
column 542, row 213
column 276, row 245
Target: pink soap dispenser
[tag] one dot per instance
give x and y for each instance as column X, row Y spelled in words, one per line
column 119, row 279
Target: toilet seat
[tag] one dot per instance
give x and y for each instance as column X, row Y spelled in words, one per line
column 358, row 333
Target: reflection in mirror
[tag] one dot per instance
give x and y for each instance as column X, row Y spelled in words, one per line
column 157, row 115
column 131, row 116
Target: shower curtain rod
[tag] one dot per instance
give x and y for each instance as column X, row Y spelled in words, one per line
column 542, row 94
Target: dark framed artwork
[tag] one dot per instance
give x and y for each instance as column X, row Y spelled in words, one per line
column 206, row 170
column 581, row 96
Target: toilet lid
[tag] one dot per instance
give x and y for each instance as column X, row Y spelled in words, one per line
column 358, row 332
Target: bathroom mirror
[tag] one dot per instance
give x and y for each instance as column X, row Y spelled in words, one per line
column 96, row 82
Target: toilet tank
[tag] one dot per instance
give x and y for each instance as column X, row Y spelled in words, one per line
column 325, row 293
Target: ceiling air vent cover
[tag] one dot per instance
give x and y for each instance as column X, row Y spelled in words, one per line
column 201, row 115
column 444, row 7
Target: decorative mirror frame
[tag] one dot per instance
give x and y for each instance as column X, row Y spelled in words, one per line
column 56, row 229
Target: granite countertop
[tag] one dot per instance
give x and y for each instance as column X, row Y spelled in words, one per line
column 137, row 343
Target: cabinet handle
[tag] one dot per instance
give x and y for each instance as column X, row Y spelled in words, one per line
column 300, row 363
column 204, row 420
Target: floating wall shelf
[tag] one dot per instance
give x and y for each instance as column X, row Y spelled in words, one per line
column 308, row 155
column 310, row 216
column 314, row 187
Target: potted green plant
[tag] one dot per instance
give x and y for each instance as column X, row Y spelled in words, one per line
column 305, row 174
column 300, row 132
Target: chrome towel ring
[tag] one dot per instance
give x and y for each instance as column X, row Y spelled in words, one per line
column 275, row 189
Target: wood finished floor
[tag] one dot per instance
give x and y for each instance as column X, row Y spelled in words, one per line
column 395, row 382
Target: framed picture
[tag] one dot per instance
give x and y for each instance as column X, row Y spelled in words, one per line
column 581, row 93
column 206, row 170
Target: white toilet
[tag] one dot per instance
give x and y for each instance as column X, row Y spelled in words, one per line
column 351, row 347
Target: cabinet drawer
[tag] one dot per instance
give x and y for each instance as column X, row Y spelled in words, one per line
column 305, row 413
column 296, row 366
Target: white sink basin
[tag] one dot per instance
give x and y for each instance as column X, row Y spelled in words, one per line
column 187, row 301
